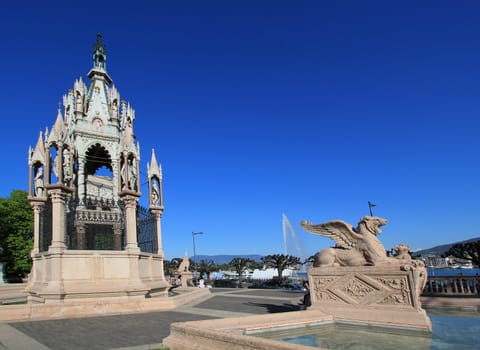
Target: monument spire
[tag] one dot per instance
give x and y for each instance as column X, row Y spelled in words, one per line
column 99, row 69
column 100, row 54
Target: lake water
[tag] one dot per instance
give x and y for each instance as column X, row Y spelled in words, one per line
column 452, row 272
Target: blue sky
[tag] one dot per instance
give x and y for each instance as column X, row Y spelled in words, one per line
column 258, row 108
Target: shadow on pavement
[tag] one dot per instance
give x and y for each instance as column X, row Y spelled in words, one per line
column 275, row 308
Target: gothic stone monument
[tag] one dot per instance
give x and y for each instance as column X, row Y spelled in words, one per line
column 356, row 280
column 91, row 237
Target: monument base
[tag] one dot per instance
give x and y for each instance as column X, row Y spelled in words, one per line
column 387, row 295
column 71, row 275
column 186, row 278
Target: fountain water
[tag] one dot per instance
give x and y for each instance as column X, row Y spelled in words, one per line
column 291, row 240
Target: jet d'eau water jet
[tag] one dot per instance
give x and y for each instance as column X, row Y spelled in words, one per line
column 291, row 241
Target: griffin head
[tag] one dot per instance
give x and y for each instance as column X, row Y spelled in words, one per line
column 373, row 224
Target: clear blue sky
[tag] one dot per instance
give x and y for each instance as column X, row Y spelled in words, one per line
column 258, row 108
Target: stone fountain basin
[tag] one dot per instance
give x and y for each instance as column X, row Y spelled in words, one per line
column 238, row 333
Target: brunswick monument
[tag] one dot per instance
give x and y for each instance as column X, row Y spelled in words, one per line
column 92, row 239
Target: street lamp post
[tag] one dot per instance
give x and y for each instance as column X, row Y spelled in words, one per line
column 195, row 253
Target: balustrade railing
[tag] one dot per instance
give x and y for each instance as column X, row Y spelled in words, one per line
column 452, row 286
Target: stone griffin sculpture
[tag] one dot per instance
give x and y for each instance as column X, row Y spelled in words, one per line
column 354, row 246
column 358, row 272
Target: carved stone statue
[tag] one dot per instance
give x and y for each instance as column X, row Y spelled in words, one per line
column 67, row 175
column 155, row 193
column 38, row 182
column 56, row 165
column 184, row 265
column 123, row 175
column 132, row 175
column 183, row 272
column 354, row 246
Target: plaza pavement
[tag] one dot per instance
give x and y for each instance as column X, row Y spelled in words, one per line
column 140, row 330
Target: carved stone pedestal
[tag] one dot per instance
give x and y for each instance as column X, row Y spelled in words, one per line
column 185, row 277
column 95, row 276
column 385, row 296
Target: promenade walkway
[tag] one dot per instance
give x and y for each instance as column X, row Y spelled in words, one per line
column 142, row 330
column 147, row 330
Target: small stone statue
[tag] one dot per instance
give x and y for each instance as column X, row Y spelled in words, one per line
column 155, row 193
column 67, row 175
column 56, row 165
column 132, row 175
column 38, row 182
column 184, row 265
column 79, row 102
column 123, row 175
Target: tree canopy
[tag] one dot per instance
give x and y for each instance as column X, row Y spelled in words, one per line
column 280, row 262
column 16, row 234
column 240, row 264
column 205, row 267
column 468, row 251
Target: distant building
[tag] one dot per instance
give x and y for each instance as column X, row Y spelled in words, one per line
column 435, row 261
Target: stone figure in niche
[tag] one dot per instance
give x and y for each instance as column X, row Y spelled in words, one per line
column 56, row 164
column 67, row 174
column 79, row 102
column 38, row 182
column 132, row 175
column 354, row 246
column 123, row 176
column 128, row 174
column 155, row 192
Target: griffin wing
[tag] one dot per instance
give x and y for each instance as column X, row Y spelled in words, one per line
column 342, row 233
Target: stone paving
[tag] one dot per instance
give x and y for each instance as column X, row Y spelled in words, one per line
column 140, row 331
column 147, row 330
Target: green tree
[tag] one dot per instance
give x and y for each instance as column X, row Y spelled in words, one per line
column 310, row 260
column 239, row 265
column 280, row 262
column 170, row 266
column 468, row 251
column 205, row 267
column 16, row 234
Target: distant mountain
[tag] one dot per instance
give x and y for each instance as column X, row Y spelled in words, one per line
column 440, row 249
column 225, row 259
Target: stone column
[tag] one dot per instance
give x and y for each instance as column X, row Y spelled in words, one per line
column 157, row 212
column 37, row 205
column 136, row 163
column 30, row 181
column 55, row 288
column 59, row 159
column 116, row 180
column 130, row 199
column 58, row 195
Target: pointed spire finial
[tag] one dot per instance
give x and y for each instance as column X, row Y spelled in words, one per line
column 99, row 53
column 99, row 39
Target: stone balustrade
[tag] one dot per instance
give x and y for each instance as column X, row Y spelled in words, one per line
column 452, row 285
